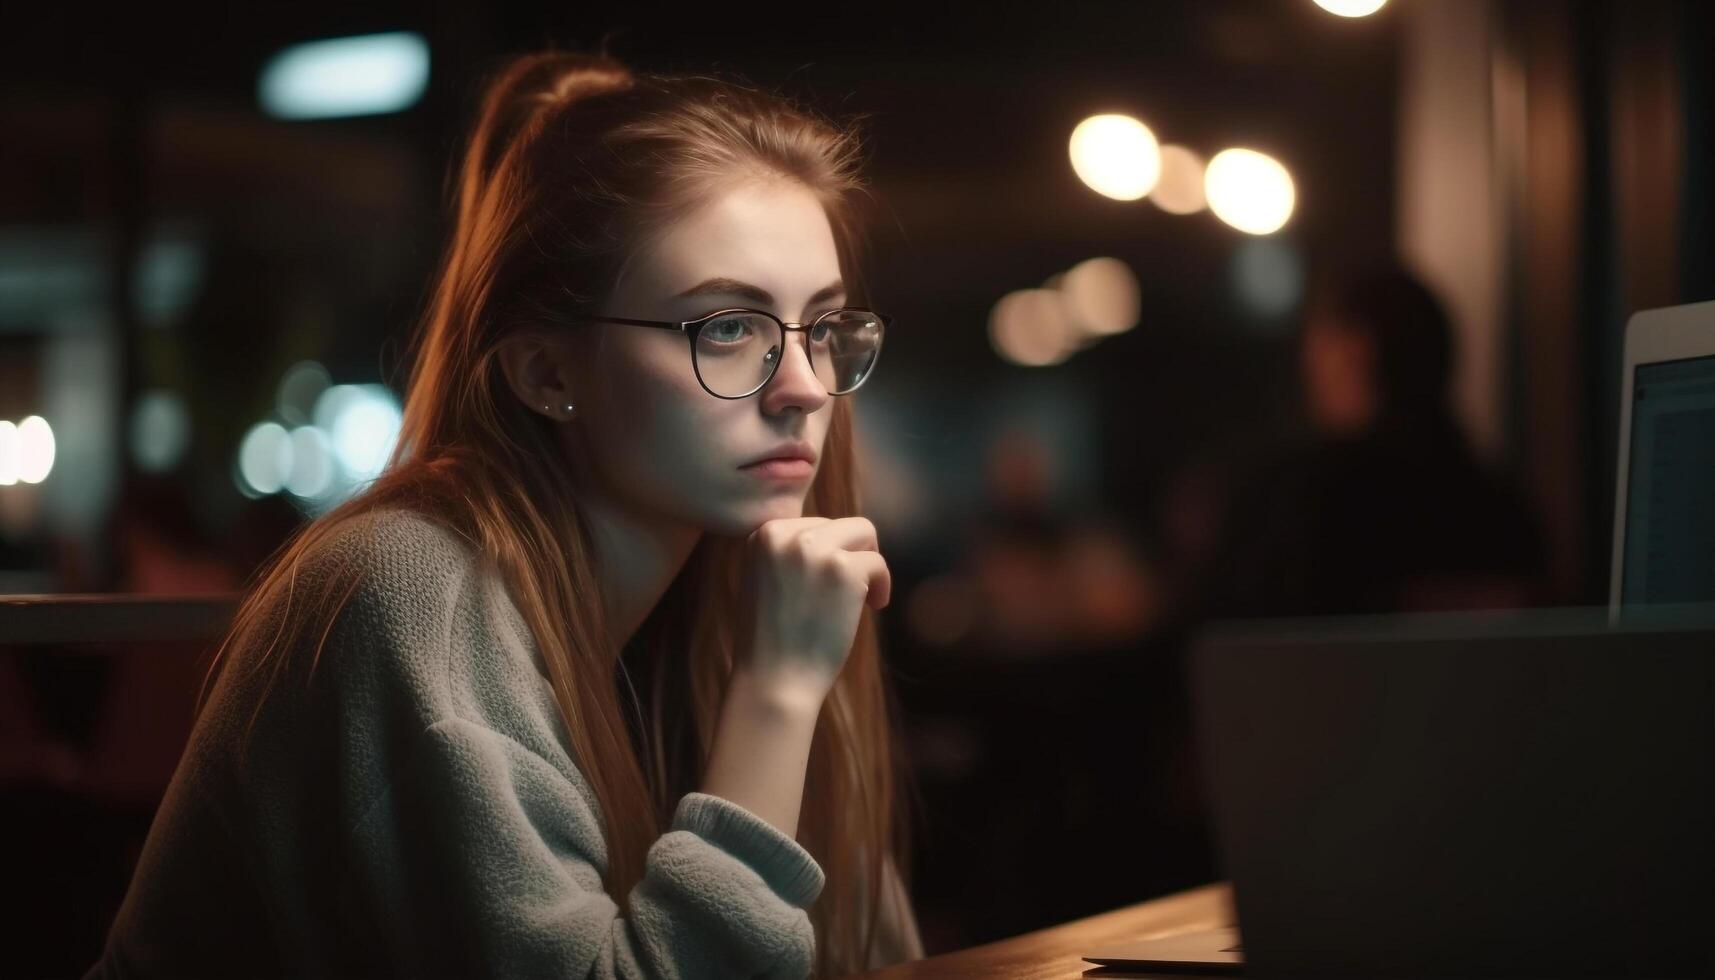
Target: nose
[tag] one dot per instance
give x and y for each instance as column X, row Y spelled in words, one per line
column 795, row 384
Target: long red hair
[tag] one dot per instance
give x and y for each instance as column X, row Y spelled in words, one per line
column 573, row 162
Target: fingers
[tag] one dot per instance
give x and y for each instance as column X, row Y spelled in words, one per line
column 870, row 568
column 781, row 529
column 850, row 533
column 848, row 543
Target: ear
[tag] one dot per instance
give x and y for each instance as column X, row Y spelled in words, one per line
column 539, row 372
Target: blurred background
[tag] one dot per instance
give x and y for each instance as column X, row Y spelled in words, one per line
column 1204, row 309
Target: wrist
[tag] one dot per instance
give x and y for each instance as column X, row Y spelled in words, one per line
column 778, row 698
column 761, row 747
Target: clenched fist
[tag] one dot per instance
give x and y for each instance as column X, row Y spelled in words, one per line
column 811, row 577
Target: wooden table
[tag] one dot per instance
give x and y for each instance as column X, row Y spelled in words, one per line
column 1056, row 953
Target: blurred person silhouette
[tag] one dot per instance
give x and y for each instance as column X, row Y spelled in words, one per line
column 1383, row 507
column 1034, row 660
column 1036, row 579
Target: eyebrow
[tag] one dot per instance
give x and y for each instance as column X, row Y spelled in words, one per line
column 723, row 286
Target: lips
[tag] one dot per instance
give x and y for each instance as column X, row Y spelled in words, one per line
column 788, row 470
column 794, row 451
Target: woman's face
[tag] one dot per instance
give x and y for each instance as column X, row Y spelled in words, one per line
column 662, row 446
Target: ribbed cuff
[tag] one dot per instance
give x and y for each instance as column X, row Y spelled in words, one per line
column 781, row 861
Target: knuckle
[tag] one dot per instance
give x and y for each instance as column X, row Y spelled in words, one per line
column 803, row 547
column 851, row 577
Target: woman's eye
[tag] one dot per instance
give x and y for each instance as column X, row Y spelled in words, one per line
column 727, row 330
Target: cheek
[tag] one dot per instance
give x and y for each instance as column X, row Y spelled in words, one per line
column 652, row 407
column 661, row 435
column 634, row 375
column 670, row 448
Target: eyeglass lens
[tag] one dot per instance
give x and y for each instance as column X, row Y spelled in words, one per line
column 736, row 352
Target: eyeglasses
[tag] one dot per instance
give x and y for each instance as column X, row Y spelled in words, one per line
column 736, row 352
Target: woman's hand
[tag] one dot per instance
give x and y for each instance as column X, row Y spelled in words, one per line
column 811, row 577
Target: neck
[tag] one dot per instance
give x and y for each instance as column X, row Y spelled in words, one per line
column 638, row 556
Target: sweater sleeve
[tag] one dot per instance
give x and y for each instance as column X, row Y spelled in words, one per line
column 481, row 859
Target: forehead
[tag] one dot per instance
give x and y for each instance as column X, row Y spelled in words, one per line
column 772, row 233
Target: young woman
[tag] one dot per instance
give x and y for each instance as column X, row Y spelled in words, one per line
column 578, row 687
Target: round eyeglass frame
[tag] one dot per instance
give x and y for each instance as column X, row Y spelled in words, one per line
column 692, row 329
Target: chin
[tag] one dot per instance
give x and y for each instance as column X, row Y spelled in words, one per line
column 739, row 521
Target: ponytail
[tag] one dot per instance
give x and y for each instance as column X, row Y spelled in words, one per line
column 521, row 98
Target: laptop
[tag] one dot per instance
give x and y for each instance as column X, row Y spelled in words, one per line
column 1383, row 807
column 1664, row 502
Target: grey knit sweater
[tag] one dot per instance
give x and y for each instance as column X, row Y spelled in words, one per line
column 415, row 811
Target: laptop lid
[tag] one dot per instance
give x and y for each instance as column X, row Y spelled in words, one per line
column 1464, row 794
column 1664, row 501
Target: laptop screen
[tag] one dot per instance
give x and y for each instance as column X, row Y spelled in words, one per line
column 1670, row 488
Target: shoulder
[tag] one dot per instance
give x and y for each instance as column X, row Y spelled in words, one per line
column 424, row 615
column 375, row 601
column 394, row 545
column 389, row 571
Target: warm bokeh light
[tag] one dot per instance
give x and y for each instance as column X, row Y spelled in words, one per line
column 1249, row 190
column 1029, row 327
column 9, row 453
column 1180, row 189
column 1351, row 8
column 1116, row 156
column 31, row 451
column 1101, row 296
